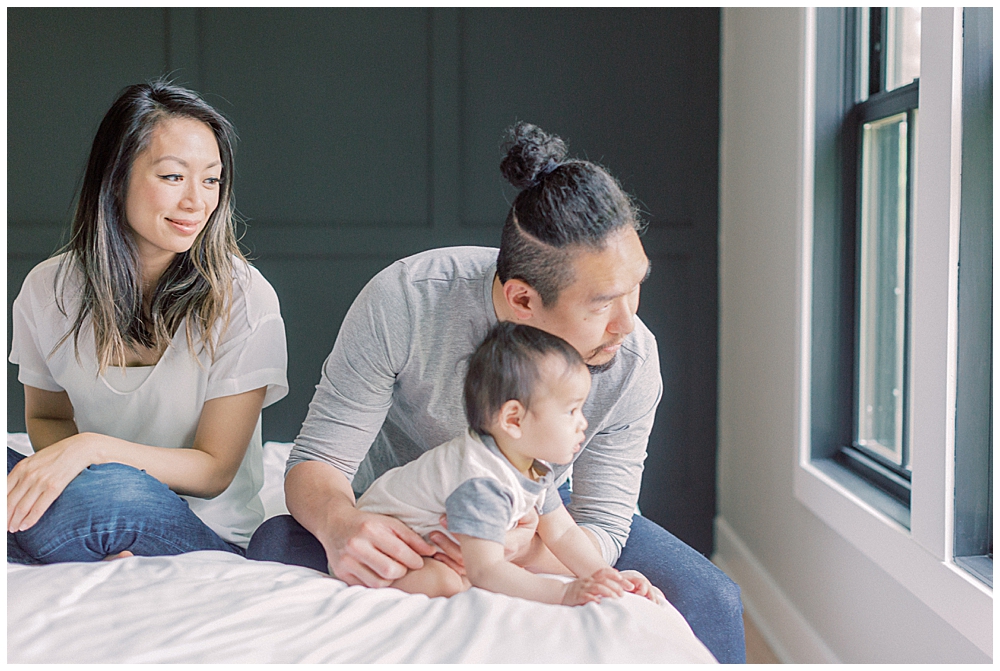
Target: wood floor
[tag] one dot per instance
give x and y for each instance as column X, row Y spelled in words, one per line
column 758, row 652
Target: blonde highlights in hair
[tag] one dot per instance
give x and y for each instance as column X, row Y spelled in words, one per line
column 196, row 287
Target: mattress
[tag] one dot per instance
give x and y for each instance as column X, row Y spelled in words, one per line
column 216, row 607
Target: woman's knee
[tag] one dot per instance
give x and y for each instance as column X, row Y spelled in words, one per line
column 104, row 498
column 122, row 488
column 104, row 509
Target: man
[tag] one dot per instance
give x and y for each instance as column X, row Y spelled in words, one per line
column 570, row 263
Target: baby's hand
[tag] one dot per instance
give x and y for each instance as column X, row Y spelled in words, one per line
column 604, row 582
column 640, row 585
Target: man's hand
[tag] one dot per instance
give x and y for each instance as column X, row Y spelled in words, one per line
column 374, row 550
column 361, row 548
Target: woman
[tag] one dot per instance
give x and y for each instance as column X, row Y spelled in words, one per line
column 149, row 333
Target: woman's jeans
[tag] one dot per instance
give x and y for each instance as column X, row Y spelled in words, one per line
column 704, row 595
column 107, row 509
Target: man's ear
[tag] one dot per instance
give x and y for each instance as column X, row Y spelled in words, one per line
column 509, row 418
column 521, row 299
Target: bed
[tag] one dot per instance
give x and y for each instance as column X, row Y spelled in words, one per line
column 215, row 607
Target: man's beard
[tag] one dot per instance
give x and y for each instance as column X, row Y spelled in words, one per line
column 602, row 367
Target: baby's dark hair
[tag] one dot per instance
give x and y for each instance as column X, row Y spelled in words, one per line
column 505, row 366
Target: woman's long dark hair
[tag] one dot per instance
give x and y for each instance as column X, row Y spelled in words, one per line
column 564, row 205
column 197, row 285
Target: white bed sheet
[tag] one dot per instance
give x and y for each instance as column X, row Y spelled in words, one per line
column 218, row 607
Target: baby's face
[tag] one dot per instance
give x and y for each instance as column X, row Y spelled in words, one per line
column 554, row 424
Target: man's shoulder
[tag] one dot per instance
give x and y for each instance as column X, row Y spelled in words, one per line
column 639, row 347
column 423, row 280
column 448, row 263
column 636, row 369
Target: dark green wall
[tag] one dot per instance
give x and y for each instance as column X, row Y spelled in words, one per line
column 368, row 135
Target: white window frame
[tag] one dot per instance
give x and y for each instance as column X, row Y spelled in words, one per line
column 919, row 558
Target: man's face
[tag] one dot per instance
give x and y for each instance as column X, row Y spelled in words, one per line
column 597, row 310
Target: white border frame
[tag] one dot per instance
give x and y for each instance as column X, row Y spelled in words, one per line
column 920, row 558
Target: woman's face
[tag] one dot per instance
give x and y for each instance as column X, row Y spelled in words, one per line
column 173, row 189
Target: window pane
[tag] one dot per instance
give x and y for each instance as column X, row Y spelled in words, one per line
column 863, row 49
column 882, row 289
column 902, row 36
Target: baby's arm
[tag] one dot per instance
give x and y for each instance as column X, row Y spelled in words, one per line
column 571, row 545
column 486, row 568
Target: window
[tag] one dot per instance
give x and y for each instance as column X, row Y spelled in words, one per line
column 910, row 483
column 871, row 59
column 885, row 119
column 868, row 120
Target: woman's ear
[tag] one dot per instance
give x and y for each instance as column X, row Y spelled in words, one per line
column 522, row 300
column 510, row 417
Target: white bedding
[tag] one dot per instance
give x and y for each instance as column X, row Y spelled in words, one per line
column 218, row 607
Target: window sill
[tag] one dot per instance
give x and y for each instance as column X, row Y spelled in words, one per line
column 981, row 567
column 960, row 599
column 864, row 490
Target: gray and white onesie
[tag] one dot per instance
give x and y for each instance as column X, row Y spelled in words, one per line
column 470, row 480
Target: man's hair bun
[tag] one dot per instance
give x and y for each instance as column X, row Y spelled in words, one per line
column 531, row 154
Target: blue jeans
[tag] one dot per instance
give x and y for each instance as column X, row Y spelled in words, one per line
column 107, row 509
column 707, row 598
column 703, row 594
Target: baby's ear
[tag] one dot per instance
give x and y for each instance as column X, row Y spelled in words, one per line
column 509, row 418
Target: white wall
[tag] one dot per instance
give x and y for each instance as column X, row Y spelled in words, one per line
column 814, row 595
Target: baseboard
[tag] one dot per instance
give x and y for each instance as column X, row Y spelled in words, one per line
column 784, row 628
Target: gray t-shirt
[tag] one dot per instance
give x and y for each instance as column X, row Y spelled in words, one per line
column 391, row 389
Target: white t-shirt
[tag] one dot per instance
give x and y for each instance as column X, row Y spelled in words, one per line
column 160, row 405
column 470, row 480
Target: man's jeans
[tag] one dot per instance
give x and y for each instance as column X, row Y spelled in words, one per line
column 107, row 509
column 707, row 598
column 703, row 594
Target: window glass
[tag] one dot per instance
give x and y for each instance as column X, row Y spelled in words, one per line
column 882, row 287
column 888, row 44
column 902, row 38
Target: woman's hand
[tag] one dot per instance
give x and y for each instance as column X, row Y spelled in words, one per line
column 605, row 582
column 640, row 586
column 36, row 481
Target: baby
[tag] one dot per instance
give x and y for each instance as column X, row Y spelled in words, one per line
column 524, row 395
